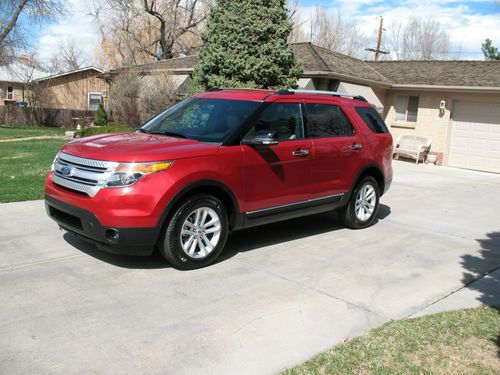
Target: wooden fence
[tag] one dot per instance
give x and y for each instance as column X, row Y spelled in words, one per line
column 28, row 116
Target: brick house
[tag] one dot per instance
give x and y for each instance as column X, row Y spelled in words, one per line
column 456, row 103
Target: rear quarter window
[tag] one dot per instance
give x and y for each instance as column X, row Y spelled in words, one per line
column 372, row 119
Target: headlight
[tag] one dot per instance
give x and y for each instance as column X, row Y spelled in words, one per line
column 52, row 167
column 127, row 174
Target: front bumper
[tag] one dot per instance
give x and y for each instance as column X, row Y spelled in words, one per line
column 83, row 223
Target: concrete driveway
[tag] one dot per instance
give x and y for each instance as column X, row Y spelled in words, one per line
column 281, row 294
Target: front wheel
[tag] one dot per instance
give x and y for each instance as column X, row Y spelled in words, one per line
column 196, row 234
column 362, row 208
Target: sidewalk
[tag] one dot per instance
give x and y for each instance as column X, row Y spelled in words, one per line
column 485, row 291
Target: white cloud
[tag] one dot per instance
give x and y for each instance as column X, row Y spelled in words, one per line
column 467, row 28
column 76, row 25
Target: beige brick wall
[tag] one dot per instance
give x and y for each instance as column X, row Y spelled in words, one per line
column 429, row 120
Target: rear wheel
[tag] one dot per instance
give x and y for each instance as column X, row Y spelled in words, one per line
column 362, row 208
column 196, row 234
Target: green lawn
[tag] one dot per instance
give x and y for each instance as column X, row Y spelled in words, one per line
column 24, row 166
column 459, row 342
column 7, row 132
column 105, row 130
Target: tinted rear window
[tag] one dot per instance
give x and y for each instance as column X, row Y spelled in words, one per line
column 326, row 121
column 371, row 118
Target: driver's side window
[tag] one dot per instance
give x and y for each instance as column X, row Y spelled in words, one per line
column 283, row 118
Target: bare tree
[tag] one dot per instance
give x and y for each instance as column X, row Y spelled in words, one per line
column 11, row 34
column 297, row 34
column 71, row 55
column 331, row 30
column 27, row 71
column 134, row 98
column 156, row 93
column 419, row 39
column 53, row 64
column 124, row 99
column 67, row 57
column 135, row 31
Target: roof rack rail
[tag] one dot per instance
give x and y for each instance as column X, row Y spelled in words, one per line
column 320, row 92
column 235, row 88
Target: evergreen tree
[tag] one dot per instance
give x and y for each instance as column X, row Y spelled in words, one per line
column 490, row 52
column 101, row 117
column 245, row 45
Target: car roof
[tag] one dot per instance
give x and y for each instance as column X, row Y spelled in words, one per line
column 276, row 95
column 237, row 94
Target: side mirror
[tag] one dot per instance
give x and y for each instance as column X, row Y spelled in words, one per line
column 262, row 137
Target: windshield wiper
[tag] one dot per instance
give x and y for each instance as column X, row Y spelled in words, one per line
column 168, row 133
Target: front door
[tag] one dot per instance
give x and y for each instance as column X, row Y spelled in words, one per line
column 278, row 175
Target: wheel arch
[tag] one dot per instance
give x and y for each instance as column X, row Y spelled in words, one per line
column 210, row 187
column 370, row 170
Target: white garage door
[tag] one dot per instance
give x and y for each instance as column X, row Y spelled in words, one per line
column 475, row 136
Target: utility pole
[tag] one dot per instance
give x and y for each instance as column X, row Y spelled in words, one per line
column 377, row 50
column 379, row 39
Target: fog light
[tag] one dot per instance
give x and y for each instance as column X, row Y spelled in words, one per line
column 112, row 235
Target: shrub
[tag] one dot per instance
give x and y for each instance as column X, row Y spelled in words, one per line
column 134, row 99
column 123, row 99
column 104, row 130
column 156, row 94
column 101, row 117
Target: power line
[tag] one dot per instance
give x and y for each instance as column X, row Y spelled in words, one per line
column 443, row 52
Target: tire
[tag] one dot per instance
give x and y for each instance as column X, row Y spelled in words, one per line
column 182, row 236
column 361, row 212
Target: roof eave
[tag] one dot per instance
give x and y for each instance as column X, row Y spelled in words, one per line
column 175, row 71
column 100, row 71
column 483, row 89
column 329, row 74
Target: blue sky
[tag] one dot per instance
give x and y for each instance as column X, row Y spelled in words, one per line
column 478, row 7
column 468, row 22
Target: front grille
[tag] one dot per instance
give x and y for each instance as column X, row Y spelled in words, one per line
column 80, row 174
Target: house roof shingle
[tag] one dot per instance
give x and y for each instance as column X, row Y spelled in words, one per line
column 441, row 73
column 386, row 73
column 316, row 58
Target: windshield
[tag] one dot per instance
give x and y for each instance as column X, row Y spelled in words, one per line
column 206, row 120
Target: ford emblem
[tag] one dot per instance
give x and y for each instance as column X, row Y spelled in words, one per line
column 67, row 171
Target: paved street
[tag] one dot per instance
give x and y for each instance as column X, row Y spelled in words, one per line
column 280, row 294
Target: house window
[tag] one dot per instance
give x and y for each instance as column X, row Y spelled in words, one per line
column 95, row 100
column 9, row 93
column 407, row 108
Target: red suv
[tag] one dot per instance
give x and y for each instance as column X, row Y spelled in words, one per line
column 221, row 161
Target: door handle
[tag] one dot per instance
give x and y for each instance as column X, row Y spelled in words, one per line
column 356, row 147
column 300, row 152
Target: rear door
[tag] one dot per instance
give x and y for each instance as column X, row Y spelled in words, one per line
column 338, row 149
column 278, row 175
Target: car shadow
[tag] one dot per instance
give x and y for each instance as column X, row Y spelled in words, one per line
column 238, row 242
column 481, row 265
column 154, row 261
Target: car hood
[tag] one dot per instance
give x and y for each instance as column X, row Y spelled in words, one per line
column 137, row 147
